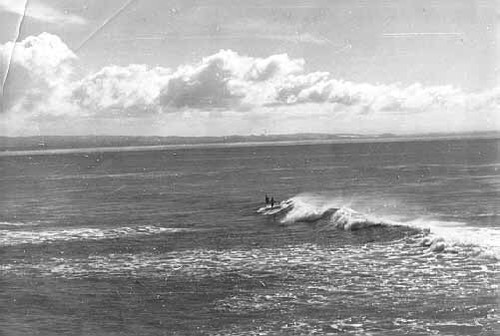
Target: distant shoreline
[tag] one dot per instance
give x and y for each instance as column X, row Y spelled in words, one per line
column 274, row 141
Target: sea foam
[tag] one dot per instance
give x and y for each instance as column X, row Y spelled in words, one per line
column 17, row 237
column 313, row 208
column 436, row 235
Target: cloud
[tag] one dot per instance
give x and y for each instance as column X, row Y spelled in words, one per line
column 38, row 76
column 114, row 87
column 225, row 80
column 45, row 55
column 41, row 12
column 222, row 94
column 375, row 98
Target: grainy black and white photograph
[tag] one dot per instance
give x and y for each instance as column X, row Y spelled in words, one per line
column 257, row 167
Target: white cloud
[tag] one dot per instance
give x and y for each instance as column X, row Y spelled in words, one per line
column 375, row 98
column 226, row 80
column 39, row 70
column 114, row 87
column 41, row 12
column 222, row 81
column 227, row 93
column 43, row 55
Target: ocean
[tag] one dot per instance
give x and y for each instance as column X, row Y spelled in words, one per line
column 395, row 238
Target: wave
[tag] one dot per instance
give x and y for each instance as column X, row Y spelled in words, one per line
column 446, row 236
column 315, row 208
column 17, row 237
column 434, row 235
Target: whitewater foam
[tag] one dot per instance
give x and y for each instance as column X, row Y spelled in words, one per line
column 313, row 208
column 301, row 208
column 446, row 236
column 348, row 219
column 10, row 238
column 308, row 209
column 17, row 224
column 436, row 235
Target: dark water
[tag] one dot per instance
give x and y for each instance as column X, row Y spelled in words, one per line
column 170, row 242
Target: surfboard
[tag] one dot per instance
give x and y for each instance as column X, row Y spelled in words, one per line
column 276, row 209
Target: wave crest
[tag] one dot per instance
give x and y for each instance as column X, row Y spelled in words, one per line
column 435, row 235
column 312, row 209
column 348, row 219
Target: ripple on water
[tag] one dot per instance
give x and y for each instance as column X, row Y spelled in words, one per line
column 397, row 288
column 18, row 237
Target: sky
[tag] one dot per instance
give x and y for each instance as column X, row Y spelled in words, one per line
column 224, row 67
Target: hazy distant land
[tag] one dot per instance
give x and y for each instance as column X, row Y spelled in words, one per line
column 41, row 143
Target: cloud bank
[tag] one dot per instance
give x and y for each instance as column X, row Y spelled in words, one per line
column 225, row 93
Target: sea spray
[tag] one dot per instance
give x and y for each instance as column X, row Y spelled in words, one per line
column 437, row 236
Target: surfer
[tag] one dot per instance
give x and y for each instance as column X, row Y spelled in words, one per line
column 272, row 202
column 267, row 200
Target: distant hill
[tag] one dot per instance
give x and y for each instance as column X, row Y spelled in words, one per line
column 68, row 142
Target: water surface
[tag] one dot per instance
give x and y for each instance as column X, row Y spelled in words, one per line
column 171, row 242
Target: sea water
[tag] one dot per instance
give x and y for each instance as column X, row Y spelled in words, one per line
column 397, row 238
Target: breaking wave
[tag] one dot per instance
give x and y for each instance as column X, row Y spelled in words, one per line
column 435, row 235
column 18, row 237
column 445, row 236
column 315, row 209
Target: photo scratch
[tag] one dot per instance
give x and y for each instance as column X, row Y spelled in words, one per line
column 11, row 52
column 424, row 34
column 104, row 23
